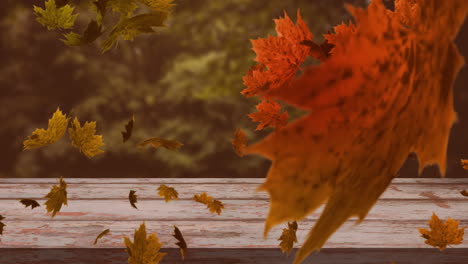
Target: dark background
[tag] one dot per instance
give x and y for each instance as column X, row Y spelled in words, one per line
column 183, row 83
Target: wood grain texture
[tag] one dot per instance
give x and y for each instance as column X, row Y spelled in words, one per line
column 98, row 204
column 238, row 256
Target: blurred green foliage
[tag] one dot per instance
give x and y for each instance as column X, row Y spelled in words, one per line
column 183, row 83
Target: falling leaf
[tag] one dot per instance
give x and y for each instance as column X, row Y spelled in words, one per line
column 160, row 142
column 56, row 197
column 143, row 249
column 159, row 5
column 125, row 8
column 442, row 234
column 92, row 32
column 269, row 115
column 128, row 130
column 464, row 193
column 1, row 224
column 55, row 17
column 373, row 101
column 168, row 193
column 282, row 55
column 103, row 233
column 464, row 164
column 239, row 142
column 132, row 197
column 288, row 238
column 85, row 139
column 129, row 28
column 30, row 202
column 41, row 137
column 182, row 245
column 212, row 204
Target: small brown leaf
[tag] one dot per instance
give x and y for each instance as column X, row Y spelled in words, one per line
column 239, row 142
column 160, row 142
column 132, row 197
column 288, row 238
column 30, row 202
column 128, row 130
column 212, row 204
column 168, row 193
column 442, row 234
column 182, row 245
column 464, row 193
column 1, row 224
column 103, row 233
column 56, row 197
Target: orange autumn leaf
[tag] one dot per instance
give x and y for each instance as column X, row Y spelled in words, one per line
column 464, row 164
column 385, row 91
column 281, row 55
column 269, row 115
column 239, row 142
column 442, row 234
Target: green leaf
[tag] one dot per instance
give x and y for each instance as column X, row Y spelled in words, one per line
column 129, row 28
column 92, row 32
column 53, row 17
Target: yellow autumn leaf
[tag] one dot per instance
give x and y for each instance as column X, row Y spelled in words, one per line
column 168, row 193
column 212, row 204
column 442, row 234
column 85, row 139
column 288, row 238
column 56, row 197
column 41, row 137
column 143, row 249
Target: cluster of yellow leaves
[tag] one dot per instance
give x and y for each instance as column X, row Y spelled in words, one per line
column 442, row 234
column 168, row 193
column 83, row 138
column 60, row 15
column 239, row 142
column 288, row 238
column 144, row 249
column 212, row 204
column 56, row 197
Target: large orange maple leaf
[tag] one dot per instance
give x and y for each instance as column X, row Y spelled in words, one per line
column 385, row 91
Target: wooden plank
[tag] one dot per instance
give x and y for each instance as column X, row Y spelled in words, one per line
column 205, row 180
column 240, row 256
column 209, row 234
column 118, row 210
column 219, row 191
